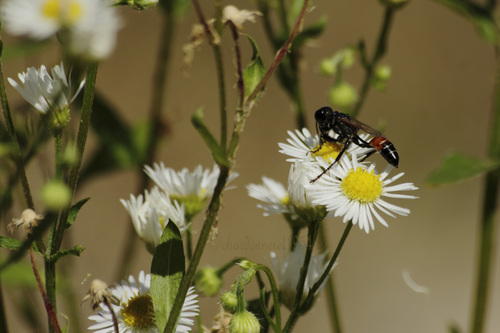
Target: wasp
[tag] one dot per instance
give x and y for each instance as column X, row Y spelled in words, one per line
column 347, row 129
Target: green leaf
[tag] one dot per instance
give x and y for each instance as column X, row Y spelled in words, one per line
column 10, row 243
column 23, row 49
column 309, row 32
column 18, row 275
column 73, row 212
column 76, row 251
column 255, row 70
column 480, row 16
column 117, row 148
column 457, row 167
column 216, row 150
column 167, row 270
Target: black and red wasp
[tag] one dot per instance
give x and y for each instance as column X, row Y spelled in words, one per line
column 347, row 129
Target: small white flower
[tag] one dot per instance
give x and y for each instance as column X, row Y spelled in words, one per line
column 91, row 25
column 151, row 213
column 299, row 177
column 355, row 191
column 192, row 189
column 134, row 311
column 288, row 272
column 271, row 192
column 44, row 91
column 302, row 146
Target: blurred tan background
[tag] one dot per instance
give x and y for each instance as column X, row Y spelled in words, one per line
column 438, row 99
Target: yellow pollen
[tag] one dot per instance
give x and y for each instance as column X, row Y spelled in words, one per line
column 362, row 186
column 328, row 150
column 51, row 9
column 138, row 312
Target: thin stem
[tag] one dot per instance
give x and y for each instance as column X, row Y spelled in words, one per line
column 274, row 293
column 48, row 305
column 3, row 318
column 18, row 159
column 334, row 314
column 212, row 213
column 113, row 316
column 310, row 297
column 488, row 233
column 370, row 67
column 311, row 239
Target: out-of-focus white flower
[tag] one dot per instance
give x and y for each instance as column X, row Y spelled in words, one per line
column 91, row 24
column 44, row 91
column 273, row 194
column 288, row 272
column 151, row 213
column 192, row 189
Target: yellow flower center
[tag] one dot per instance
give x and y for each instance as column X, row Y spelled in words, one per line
column 138, row 312
column 286, row 200
column 362, row 186
column 327, row 151
column 193, row 204
column 67, row 12
column 51, row 9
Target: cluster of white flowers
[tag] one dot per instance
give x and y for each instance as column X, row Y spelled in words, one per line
column 350, row 189
column 88, row 28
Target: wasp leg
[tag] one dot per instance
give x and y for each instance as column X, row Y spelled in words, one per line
column 370, row 153
column 334, row 162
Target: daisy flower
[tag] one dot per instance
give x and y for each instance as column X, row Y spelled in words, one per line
column 273, row 194
column 288, row 272
column 134, row 311
column 302, row 146
column 45, row 91
column 89, row 26
column 356, row 192
column 192, row 189
column 150, row 214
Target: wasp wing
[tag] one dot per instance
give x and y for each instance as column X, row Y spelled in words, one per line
column 357, row 124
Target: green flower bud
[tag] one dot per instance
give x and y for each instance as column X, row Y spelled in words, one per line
column 70, row 155
column 244, row 322
column 383, row 73
column 343, row 95
column 327, row 67
column 55, row 195
column 229, row 301
column 207, row 281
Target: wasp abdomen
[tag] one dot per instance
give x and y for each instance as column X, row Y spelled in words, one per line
column 386, row 149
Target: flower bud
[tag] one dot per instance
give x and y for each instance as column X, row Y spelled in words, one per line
column 229, row 301
column 327, row 67
column 383, row 73
column 244, row 322
column 207, row 281
column 343, row 95
column 55, row 195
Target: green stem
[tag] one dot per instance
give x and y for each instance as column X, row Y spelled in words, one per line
column 311, row 239
column 310, row 297
column 213, row 210
column 18, row 159
column 55, row 243
column 334, row 314
column 274, row 293
column 3, row 318
column 370, row 67
column 488, row 232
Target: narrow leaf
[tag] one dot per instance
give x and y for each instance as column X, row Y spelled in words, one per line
column 10, row 243
column 216, row 150
column 310, row 32
column 255, row 70
column 73, row 212
column 167, row 270
column 457, row 167
column 76, row 251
